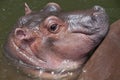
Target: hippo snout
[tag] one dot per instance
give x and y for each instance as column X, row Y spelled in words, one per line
column 91, row 22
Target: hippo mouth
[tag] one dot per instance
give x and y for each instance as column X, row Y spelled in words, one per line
column 37, row 66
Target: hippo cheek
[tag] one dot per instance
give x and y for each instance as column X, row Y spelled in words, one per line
column 74, row 47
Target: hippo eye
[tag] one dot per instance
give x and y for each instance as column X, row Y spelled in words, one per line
column 53, row 28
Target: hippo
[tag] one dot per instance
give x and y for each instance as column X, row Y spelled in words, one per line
column 51, row 44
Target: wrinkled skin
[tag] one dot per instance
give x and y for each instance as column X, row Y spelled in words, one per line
column 51, row 44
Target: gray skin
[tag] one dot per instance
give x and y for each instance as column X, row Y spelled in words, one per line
column 51, row 44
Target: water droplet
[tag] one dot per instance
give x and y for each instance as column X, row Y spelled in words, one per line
column 84, row 70
column 63, row 70
column 52, row 73
column 70, row 73
column 18, row 50
column 18, row 71
column 41, row 71
column 67, row 61
column 3, row 9
column 37, row 28
column 29, row 75
column 37, row 67
column 68, row 66
column 21, row 62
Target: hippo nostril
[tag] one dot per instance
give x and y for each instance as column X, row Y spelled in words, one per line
column 20, row 33
column 98, row 9
column 93, row 18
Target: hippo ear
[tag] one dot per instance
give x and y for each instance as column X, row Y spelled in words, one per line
column 52, row 7
column 27, row 9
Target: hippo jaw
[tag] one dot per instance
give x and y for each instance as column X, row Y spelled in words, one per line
column 59, row 54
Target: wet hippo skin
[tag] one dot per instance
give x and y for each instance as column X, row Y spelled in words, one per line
column 54, row 45
column 105, row 62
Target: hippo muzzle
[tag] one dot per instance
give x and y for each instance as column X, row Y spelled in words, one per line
column 51, row 44
column 92, row 22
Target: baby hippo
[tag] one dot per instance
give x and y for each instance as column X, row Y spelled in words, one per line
column 54, row 45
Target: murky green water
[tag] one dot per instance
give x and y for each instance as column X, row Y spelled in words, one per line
column 11, row 10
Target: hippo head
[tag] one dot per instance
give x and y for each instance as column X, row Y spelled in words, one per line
column 52, row 44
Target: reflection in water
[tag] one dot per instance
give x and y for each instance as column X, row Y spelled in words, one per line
column 11, row 10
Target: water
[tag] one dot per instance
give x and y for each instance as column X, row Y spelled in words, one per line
column 11, row 10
